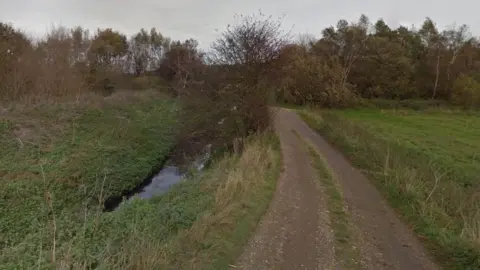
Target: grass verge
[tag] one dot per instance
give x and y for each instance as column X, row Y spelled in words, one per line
column 339, row 219
column 427, row 174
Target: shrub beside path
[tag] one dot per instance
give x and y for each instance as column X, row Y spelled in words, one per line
column 296, row 231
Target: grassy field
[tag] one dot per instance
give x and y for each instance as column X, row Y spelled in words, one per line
column 427, row 164
column 60, row 162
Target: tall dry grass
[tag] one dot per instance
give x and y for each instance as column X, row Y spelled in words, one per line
column 242, row 186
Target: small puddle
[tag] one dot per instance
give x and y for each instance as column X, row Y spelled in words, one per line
column 160, row 183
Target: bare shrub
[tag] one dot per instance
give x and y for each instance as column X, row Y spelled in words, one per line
column 41, row 71
column 230, row 99
column 14, row 45
column 182, row 65
column 249, row 47
column 145, row 51
column 57, row 72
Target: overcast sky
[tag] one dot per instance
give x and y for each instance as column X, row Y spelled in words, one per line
column 181, row 19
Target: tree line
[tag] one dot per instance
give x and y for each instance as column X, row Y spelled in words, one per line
column 371, row 60
column 67, row 61
column 351, row 61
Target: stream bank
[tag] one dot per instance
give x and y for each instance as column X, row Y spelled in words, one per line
column 160, row 181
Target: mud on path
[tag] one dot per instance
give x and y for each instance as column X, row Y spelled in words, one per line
column 295, row 232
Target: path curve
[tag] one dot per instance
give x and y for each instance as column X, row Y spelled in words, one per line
column 295, row 232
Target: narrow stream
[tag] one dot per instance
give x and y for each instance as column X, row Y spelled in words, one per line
column 160, row 183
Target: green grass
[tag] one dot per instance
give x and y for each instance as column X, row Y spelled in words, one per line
column 202, row 223
column 411, row 104
column 60, row 160
column 339, row 219
column 427, row 165
column 63, row 160
column 448, row 140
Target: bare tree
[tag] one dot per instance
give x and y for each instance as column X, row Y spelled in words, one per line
column 357, row 36
column 455, row 39
column 231, row 100
column 81, row 43
column 146, row 50
column 434, row 42
column 306, row 40
column 182, row 63
column 251, row 44
column 138, row 55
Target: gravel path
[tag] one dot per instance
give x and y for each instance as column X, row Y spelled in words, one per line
column 295, row 232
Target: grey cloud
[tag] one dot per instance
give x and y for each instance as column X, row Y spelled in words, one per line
column 182, row 19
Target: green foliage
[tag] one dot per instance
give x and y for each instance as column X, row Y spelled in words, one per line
column 375, row 61
column 108, row 44
column 387, row 70
column 466, row 92
column 304, row 79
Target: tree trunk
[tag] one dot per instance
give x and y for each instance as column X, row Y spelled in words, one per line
column 436, row 77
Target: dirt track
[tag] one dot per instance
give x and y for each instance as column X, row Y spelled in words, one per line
column 295, row 232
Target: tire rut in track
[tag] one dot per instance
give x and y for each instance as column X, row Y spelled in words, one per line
column 295, row 232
